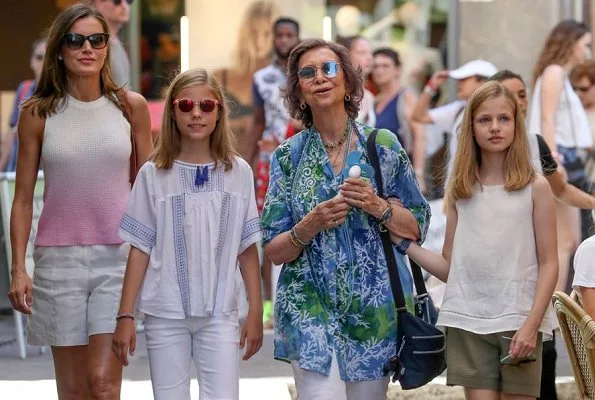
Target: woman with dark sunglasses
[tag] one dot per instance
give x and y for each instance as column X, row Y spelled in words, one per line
column 75, row 124
column 334, row 312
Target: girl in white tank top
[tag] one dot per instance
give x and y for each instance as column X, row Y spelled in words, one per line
column 499, row 257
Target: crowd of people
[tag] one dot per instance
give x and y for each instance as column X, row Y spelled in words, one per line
column 171, row 229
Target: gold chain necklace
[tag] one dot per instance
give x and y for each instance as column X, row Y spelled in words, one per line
column 332, row 146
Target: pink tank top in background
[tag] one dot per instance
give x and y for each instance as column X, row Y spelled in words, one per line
column 85, row 156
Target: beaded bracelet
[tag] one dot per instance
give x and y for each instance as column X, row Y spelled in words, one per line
column 124, row 315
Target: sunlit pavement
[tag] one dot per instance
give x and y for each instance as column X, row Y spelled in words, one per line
column 261, row 377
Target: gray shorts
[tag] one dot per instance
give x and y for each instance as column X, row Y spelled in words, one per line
column 76, row 293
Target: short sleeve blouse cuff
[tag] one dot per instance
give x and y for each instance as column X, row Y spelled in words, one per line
column 137, row 234
column 251, row 234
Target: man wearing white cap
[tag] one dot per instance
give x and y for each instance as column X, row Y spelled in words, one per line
column 448, row 117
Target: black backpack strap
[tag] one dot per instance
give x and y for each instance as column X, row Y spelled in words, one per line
column 387, row 245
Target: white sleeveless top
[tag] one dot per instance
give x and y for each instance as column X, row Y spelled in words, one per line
column 86, row 164
column 572, row 125
column 493, row 270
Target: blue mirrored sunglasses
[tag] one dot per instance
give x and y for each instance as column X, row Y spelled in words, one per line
column 330, row 69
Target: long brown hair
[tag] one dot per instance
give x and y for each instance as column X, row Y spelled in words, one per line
column 222, row 140
column 53, row 83
column 518, row 170
column 353, row 80
column 559, row 45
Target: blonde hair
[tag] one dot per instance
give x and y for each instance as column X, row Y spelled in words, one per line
column 518, row 170
column 245, row 53
column 53, row 83
column 222, row 140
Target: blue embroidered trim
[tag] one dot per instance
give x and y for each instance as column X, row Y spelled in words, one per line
column 144, row 234
column 178, row 210
column 213, row 183
column 250, row 228
column 223, row 225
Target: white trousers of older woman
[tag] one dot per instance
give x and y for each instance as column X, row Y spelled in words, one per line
column 211, row 342
column 312, row 385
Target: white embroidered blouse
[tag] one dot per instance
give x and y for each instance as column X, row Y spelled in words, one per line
column 194, row 231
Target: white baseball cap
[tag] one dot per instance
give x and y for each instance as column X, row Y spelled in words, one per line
column 474, row 68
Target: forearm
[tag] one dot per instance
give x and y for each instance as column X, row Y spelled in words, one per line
column 136, row 268
column 575, row 197
column 403, row 224
column 419, row 149
column 20, row 229
column 432, row 262
column 549, row 132
column 420, row 112
column 251, row 273
column 282, row 248
column 546, row 283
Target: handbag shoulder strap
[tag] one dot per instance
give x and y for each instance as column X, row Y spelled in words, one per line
column 122, row 95
column 418, row 279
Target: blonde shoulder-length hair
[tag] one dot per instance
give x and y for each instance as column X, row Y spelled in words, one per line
column 518, row 170
column 222, row 140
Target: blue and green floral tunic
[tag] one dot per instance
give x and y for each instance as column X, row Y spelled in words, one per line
column 336, row 296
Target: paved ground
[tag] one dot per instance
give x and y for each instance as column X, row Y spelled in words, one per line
column 262, row 377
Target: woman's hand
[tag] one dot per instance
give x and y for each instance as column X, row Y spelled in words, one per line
column 251, row 334
column 523, row 342
column 328, row 214
column 124, row 340
column 20, row 291
column 359, row 193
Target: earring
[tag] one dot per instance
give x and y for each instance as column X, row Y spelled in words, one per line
column 302, row 106
column 60, row 58
column 347, row 97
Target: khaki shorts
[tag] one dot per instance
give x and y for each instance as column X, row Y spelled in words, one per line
column 473, row 361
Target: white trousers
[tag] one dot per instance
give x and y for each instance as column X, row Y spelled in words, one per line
column 211, row 342
column 316, row 386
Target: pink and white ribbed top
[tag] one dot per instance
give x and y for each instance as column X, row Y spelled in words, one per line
column 86, row 164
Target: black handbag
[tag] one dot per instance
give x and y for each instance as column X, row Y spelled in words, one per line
column 420, row 346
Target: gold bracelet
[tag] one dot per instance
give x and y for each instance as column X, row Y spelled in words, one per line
column 297, row 238
column 293, row 242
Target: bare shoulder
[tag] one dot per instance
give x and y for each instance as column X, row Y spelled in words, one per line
column 136, row 100
column 31, row 124
column 541, row 188
column 553, row 73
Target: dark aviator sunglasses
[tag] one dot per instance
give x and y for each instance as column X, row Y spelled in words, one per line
column 75, row 41
column 118, row 2
column 187, row 105
column 329, row 69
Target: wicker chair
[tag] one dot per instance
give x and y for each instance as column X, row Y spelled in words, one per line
column 578, row 332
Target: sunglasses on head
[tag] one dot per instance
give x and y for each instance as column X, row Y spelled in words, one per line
column 329, row 69
column 187, row 105
column 75, row 41
column 118, row 2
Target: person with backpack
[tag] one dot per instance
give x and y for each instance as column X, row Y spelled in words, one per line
column 8, row 158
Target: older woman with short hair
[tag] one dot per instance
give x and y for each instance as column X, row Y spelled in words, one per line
column 335, row 315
